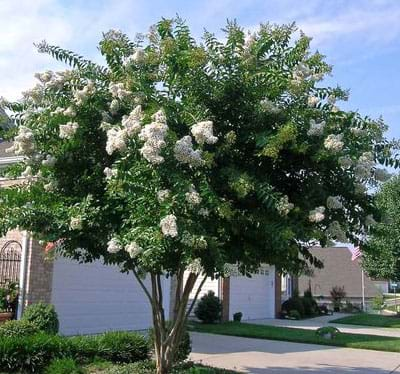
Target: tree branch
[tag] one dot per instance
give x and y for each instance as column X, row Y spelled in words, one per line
column 195, row 297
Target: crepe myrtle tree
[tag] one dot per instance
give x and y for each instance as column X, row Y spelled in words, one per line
column 198, row 157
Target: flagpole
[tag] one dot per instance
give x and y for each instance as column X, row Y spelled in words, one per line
column 363, row 290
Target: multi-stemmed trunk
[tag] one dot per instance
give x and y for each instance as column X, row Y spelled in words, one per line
column 167, row 335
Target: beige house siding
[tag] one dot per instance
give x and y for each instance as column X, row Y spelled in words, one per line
column 338, row 270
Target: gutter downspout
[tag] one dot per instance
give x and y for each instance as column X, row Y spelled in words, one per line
column 22, row 276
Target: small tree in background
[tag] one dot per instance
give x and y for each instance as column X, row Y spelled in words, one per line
column 184, row 156
column 381, row 255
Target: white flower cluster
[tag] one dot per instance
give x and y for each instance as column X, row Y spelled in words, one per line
column 68, row 130
column 317, row 215
column 316, row 129
column 312, row 101
column 334, row 203
column 270, row 106
column 334, row 143
column 49, row 161
column 118, row 90
column 110, row 173
column 114, row 106
column 382, row 175
column 370, row 220
column 80, row 96
column 364, row 165
column 132, row 123
column 153, row 136
column 69, row 112
column 134, row 249
column 136, row 57
column 113, row 246
column 185, row 154
column 75, row 223
column 168, row 226
column 195, row 267
column 163, row 195
column 49, row 187
column 345, row 162
column 284, row 206
column 116, row 140
column 113, row 35
column 23, row 142
column 193, row 197
column 335, row 231
column 357, row 131
column 34, row 95
column 27, row 174
column 203, row 132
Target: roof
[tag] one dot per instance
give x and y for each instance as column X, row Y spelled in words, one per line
column 338, row 270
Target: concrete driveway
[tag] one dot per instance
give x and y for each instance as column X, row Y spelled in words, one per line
column 315, row 323
column 275, row 357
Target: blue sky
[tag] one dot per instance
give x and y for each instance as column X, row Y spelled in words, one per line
column 359, row 37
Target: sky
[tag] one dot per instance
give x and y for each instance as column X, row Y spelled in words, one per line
column 361, row 38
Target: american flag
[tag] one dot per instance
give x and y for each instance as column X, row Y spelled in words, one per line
column 355, row 253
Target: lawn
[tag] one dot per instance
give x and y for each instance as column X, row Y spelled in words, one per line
column 370, row 320
column 373, row 342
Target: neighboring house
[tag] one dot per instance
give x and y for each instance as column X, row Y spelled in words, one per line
column 340, row 271
column 92, row 297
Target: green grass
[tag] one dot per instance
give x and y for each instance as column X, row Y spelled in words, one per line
column 370, row 320
column 373, row 342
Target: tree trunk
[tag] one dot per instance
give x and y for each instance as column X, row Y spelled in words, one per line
column 167, row 338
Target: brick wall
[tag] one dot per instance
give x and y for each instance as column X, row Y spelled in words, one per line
column 39, row 271
column 39, row 275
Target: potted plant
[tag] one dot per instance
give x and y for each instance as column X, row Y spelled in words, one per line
column 8, row 301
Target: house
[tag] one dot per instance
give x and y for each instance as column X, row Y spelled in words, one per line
column 339, row 270
column 92, row 297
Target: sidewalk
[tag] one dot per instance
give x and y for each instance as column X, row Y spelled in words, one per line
column 317, row 322
column 275, row 357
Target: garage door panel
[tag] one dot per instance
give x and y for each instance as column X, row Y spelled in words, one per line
column 254, row 297
column 91, row 298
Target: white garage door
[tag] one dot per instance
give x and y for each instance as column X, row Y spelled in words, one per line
column 255, row 296
column 92, row 298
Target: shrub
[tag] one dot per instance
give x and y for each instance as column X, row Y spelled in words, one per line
column 43, row 316
column 337, row 295
column 323, row 309
column 294, row 314
column 328, row 332
column 348, row 307
column 121, row 347
column 64, row 366
column 310, row 306
column 209, row 308
column 378, row 303
column 30, row 353
column 34, row 353
column 18, row 328
column 237, row 317
column 294, row 303
column 184, row 348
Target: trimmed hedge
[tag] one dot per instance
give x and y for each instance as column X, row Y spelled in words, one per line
column 44, row 316
column 34, row 353
column 18, row 328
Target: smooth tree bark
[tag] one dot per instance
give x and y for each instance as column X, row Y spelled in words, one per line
column 167, row 336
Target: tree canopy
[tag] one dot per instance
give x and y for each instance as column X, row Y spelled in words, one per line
column 185, row 155
column 382, row 252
